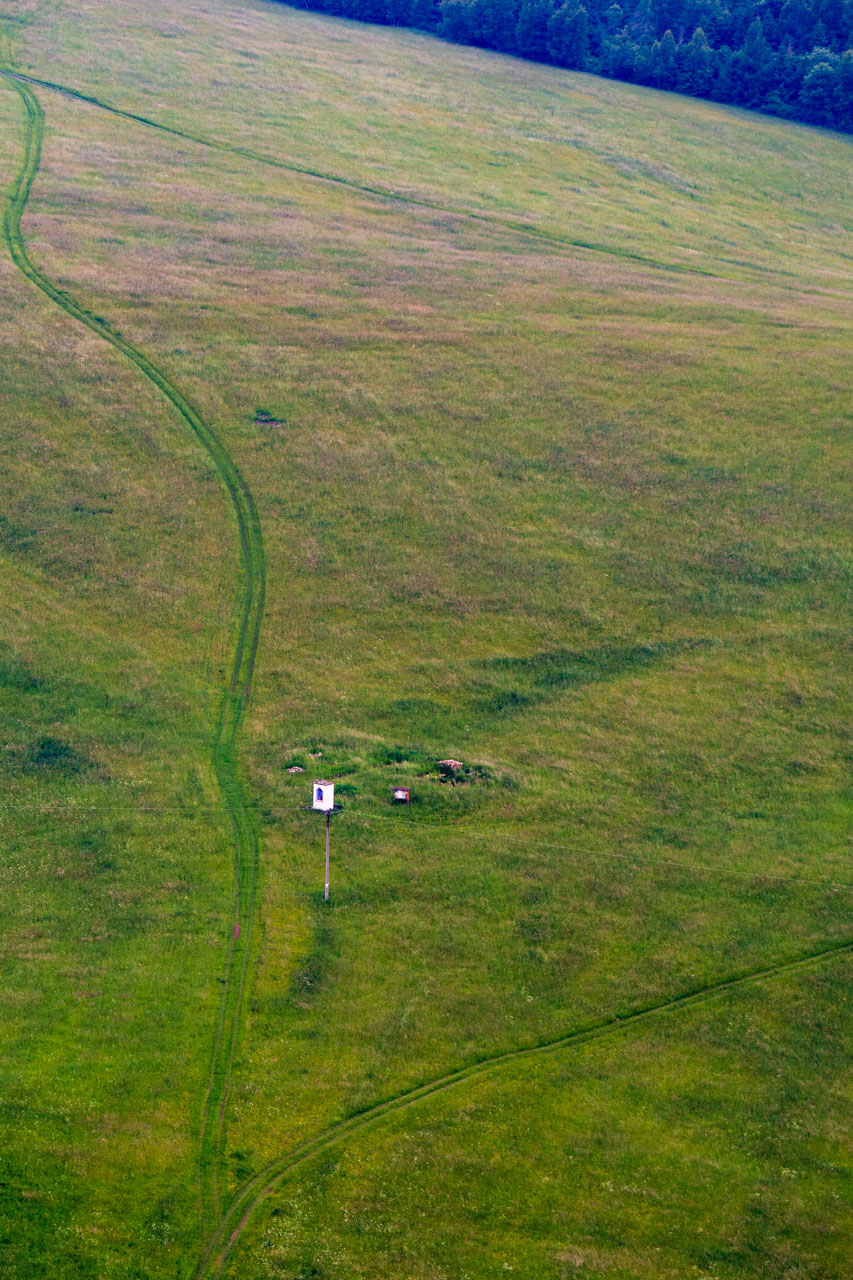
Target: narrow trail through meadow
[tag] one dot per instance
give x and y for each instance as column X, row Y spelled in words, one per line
column 267, row 1181
column 223, row 1225
column 225, row 748
column 417, row 202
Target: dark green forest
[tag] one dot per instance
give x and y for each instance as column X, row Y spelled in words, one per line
column 791, row 58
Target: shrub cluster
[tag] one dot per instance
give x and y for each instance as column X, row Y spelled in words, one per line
column 792, row 58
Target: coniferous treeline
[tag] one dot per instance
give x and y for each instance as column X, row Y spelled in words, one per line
column 792, row 58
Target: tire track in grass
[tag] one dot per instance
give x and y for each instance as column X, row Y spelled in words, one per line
column 267, row 1181
column 235, row 698
column 386, row 193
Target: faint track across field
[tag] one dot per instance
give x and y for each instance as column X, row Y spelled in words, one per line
column 266, row 1181
column 386, row 193
column 235, row 697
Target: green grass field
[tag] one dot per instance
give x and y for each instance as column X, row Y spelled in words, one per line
column 369, row 401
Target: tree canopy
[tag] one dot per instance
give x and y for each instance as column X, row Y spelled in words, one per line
column 792, row 58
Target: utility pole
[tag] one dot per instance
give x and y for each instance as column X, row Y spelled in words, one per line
column 323, row 801
column 328, row 832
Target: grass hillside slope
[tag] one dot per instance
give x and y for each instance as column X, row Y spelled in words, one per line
column 525, row 396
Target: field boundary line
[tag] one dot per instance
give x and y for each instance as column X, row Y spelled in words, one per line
column 267, row 1180
column 383, row 193
column 235, row 696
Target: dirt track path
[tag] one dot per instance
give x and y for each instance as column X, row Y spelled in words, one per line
column 235, row 697
column 417, row 202
column 267, row 1181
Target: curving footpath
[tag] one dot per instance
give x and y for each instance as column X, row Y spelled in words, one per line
column 387, row 193
column 267, row 1181
column 224, row 754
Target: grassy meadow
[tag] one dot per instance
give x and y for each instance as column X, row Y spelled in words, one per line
column 541, row 389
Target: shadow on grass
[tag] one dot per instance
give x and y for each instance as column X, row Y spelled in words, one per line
column 544, row 675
